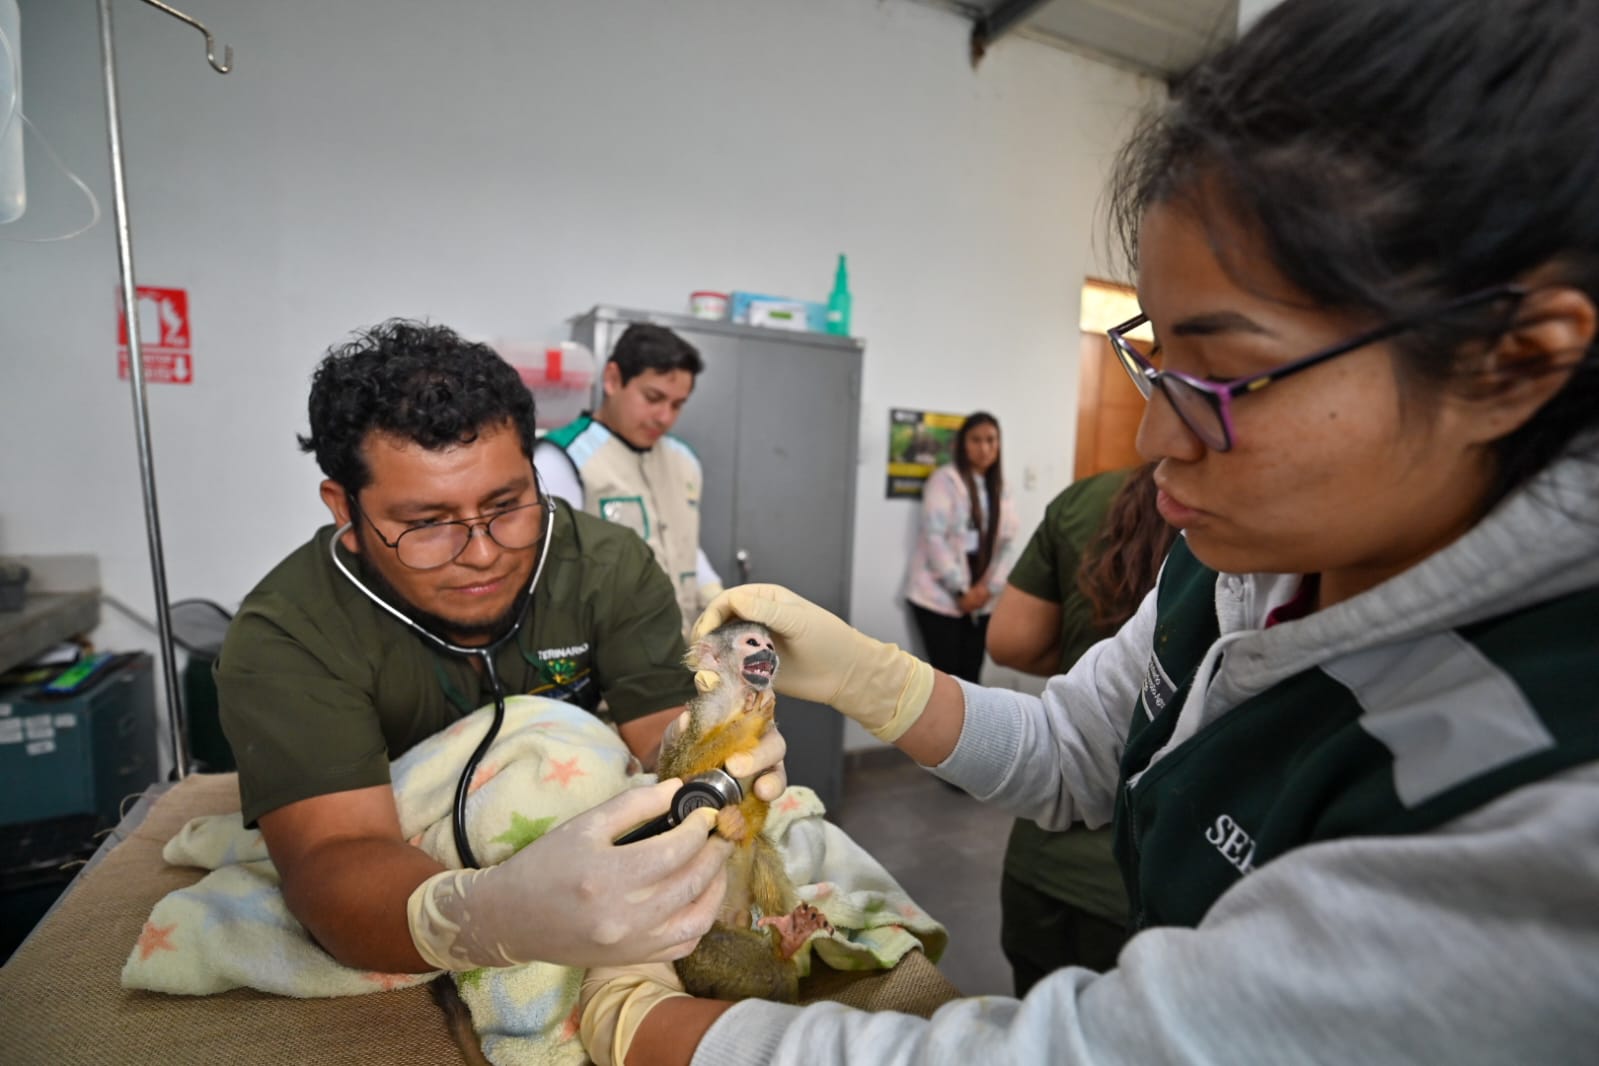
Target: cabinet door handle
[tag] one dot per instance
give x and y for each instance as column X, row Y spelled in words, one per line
column 742, row 557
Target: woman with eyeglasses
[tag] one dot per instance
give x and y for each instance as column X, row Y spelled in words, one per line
column 1350, row 743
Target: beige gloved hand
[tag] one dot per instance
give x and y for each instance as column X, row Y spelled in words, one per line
column 823, row 659
column 573, row 897
column 614, row 1000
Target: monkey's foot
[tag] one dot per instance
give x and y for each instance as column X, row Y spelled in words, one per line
column 796, row 928
column 731, row 825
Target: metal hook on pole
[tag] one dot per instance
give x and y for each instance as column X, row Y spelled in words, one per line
column 210, row 41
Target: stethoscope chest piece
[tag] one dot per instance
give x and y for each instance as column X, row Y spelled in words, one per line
column 714, row 789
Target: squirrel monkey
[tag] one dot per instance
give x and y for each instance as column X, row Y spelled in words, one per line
column 749, row 952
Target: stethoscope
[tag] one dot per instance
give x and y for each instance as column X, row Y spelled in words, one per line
column 486, row 653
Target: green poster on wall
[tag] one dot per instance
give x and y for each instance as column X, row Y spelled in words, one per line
column 919, row 442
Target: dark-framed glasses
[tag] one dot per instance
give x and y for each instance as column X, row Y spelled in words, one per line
column 1206, row 407
column 436, row 544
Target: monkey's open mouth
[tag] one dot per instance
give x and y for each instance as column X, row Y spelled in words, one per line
column 759, row 668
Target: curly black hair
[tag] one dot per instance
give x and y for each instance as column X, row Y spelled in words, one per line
column 415, row 381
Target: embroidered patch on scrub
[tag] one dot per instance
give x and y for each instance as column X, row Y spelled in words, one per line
column 626, row 511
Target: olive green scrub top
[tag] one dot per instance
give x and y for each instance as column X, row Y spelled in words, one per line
column 318, row 687
column 1077, row 865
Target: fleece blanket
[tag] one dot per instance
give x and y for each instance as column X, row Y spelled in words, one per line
column 551, row 761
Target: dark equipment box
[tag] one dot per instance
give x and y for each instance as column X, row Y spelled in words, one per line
column 67, row 764
column 81, row 753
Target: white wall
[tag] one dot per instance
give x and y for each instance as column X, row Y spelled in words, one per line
column 498, row 166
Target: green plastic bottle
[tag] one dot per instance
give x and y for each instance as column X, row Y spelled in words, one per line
column 838, row 302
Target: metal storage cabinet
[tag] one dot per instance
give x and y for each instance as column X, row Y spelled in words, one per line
column 774, row 419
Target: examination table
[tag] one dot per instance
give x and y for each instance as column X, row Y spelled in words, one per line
column 61, row 1000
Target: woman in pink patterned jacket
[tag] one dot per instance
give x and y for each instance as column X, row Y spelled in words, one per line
column 963, row 551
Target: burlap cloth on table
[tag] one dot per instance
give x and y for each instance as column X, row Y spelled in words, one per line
column 61, row 1001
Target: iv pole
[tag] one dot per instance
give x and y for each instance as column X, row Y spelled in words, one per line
column 141, row 414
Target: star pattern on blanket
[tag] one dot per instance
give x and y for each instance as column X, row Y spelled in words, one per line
column 563, row 771
column 790, row 802
column 389, row 981
column 569, row 1027
column 155, row 938
column 483, row 776
column 523, row 831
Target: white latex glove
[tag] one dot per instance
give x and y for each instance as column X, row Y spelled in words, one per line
column 823, row 659
column 614, row 1000
column 765, row 759
column 573, row 897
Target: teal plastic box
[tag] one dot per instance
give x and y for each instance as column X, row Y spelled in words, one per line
column 757, row 309
column 80, row 754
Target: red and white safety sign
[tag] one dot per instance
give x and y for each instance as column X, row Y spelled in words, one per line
column 163, row 336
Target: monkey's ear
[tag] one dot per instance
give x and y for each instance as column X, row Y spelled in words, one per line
column 701, row 655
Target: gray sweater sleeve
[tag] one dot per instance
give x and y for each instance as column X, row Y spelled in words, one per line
column 1062, row 765
column 1475, row 943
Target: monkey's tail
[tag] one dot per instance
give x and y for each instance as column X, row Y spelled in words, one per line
column 458, row 1020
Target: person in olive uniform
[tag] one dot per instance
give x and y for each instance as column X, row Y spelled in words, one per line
column 439, row 522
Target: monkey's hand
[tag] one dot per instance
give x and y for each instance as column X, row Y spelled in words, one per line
column 794, row 929
column 732, row 825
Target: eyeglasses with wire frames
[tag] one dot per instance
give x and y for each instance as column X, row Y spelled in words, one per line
column 1206, row 406
column 434, row 544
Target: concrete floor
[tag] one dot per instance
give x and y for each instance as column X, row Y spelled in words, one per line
column 943, row 847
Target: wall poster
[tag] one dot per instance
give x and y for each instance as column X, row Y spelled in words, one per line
column 919, row 442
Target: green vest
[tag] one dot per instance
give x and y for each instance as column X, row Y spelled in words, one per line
column 1394, row 740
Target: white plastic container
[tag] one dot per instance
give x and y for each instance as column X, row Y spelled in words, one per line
column 560, row 377
column 706, row 304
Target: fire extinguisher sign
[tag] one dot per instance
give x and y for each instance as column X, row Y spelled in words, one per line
column 163, row 336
